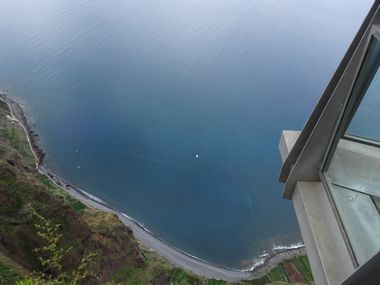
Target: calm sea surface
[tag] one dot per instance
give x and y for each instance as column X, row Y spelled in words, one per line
column 172, row 110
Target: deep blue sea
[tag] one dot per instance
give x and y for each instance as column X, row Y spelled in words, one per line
column 172, row 110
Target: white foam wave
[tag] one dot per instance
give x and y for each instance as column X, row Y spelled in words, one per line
column 139, row 224
column 254, row 265
column 287, row 247
column 92, row 197
column 265, row 254
column 128, row 217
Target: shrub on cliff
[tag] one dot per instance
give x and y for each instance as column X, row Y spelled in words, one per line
column 51, row 256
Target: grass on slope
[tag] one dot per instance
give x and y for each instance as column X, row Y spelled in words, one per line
column 8, row 275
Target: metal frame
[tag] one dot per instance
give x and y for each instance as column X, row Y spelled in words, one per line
column 361, row 140
column 355, row 97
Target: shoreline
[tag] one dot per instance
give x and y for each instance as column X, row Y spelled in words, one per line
column 172, row 254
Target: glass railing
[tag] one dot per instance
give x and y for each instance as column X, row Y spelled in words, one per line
column 353, row 174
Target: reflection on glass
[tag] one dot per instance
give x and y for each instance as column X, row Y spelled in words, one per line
column 361, row 219
column 366, row 122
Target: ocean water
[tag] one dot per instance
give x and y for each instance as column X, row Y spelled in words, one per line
column 172, row 110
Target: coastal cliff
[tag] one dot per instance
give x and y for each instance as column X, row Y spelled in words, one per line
column 119, row 256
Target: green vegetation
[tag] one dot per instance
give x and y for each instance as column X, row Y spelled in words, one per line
column 47, row 236
column 8, row 275
column 13, row 140
column 51, row 256
column 304, row 265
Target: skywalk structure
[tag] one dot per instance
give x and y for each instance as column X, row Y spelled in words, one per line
column 331, row 169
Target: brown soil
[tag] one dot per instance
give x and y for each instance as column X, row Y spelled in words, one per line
column 294, row 274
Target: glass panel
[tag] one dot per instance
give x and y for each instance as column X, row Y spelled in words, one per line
column 356, row 166
column 360, row 219
column 365, row 123
column 354, row 170
column 377, row 202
